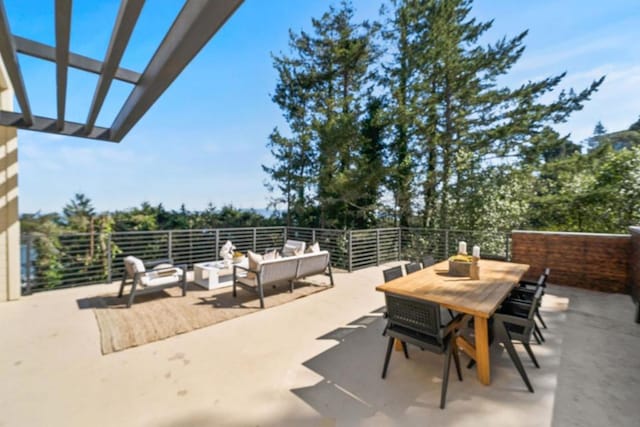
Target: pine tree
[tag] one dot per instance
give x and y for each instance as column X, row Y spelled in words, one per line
column 78, row 213
column 324, row 88
column 464, row 121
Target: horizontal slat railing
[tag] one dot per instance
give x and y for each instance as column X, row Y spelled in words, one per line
column 76, row 259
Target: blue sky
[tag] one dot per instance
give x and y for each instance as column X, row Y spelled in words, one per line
column 205, row 139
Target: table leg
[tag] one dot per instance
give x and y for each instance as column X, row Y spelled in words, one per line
column 482, row 350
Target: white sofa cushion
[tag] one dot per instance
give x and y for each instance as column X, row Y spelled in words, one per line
column 293, row 248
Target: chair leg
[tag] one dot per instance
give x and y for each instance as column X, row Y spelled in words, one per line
column 527, row 347
column 404, row 348
column 330, row 274
column 445, row 377
column 544, row 325
column 124, row 279
column 132, row 295
column 508, row 345
column 261, row 293
column 290, row 285
column 535, row 335
column 184, row 284
column 471, row 364
column 387, row 357
column 456, row 359
column 450, row 313
column 539, row 333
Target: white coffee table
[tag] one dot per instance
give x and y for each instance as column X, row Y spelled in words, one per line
column 214, row 275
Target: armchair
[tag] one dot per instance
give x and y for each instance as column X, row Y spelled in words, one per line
column 161, row 276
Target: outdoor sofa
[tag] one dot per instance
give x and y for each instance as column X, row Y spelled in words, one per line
column 285, row 269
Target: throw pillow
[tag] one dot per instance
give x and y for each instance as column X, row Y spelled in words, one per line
column 254, row 263
column 270, row 255
column 312, row 249
column 289, row 250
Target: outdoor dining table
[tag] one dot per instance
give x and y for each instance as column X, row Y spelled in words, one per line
column 478, row 298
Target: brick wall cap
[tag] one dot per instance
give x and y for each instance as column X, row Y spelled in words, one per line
column 571, row 233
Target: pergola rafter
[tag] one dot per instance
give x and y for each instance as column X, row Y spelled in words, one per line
column 195, row 25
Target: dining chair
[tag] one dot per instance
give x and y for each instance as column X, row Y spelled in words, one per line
column 525, row 294
column 419, row 323
column 515, row 321
column 428, row 261
column 412, row 267
column 389, row 275
column 531, row 286
column 392, row 273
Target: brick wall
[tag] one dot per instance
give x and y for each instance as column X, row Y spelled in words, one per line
column 598, row 262
column 635, row 263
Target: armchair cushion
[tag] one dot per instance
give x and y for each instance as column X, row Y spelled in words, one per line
column 133, row 265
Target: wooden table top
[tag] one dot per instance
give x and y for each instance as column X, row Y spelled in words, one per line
column 476, row 297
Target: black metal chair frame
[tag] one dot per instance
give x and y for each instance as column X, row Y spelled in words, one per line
column 525, row 294
column 428, row 261
column 515, row 322
column 412, row 267
column 392, row 273
column 418, row 322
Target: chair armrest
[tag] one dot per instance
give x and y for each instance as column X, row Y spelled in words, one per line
column 522, row 294
column 517, row 304
column 153, row 262
column 528, row 284
column 514, row 320
column 235, row 267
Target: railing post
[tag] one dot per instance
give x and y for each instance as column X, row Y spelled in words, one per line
column 109, row 260
column 349, row 247
column 377, row 246
column 399, row 243
column 285, row 231
column 313, row 235
column 28, row 266
column 215, row 255
column 254, row 239
column 170, row 244
column 446, row 244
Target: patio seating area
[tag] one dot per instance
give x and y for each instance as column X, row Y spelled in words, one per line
column 313, row 361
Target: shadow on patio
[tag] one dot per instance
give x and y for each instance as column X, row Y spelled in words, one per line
column 352, row 392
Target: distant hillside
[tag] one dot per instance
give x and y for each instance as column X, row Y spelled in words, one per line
column 619, row 140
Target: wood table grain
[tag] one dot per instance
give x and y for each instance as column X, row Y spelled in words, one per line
column 478, row 298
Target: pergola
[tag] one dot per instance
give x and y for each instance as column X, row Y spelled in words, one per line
column 194, row 26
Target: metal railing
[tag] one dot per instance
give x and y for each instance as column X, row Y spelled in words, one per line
column 74, row 259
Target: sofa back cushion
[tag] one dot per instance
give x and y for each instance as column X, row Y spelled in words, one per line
column 278, row 270
column 255, row 260
column 293, row 248
column 313, row 263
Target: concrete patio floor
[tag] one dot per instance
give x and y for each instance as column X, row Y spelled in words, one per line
column 315, row 361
